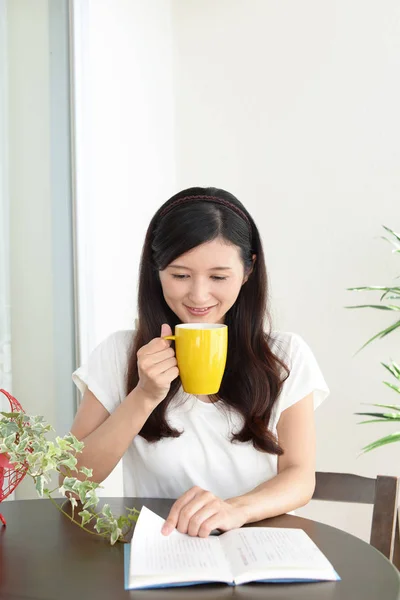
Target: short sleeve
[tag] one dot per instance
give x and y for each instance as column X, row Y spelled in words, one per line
column 305, row 375
column 104, row 373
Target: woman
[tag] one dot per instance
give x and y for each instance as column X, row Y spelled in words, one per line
column 243, row 455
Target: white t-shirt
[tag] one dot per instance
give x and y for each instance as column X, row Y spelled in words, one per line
column 203, row 455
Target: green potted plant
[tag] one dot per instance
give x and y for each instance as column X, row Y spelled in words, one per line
column 26, row 450
column 388, row 301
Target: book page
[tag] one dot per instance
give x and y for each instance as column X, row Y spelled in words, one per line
column 272, row 550
column 153, row 554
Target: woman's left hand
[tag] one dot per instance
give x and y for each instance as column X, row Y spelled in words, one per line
column 197, row 512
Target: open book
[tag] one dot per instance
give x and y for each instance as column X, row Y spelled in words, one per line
column 264, row 554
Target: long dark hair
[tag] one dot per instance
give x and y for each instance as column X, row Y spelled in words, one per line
column 254, row 375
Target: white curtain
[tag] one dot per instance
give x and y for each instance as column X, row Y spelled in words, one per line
column 5, row 326
column 124, row 156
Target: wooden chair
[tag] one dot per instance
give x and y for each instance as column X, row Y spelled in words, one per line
column 382, row 492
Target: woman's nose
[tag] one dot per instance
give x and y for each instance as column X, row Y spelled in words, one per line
column 199, row 293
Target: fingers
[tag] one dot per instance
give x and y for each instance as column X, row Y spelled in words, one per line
column 160, row 367
column 149, row 360
column 173, row 516
column 189, row 514
column 157, row 366
column 155, row 345
column 199, row 522
column 208, row 525
column 190, row 511
column 198, row 512
column 168, row 377
column 166, row 330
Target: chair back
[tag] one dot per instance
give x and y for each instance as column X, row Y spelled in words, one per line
column 382, row 492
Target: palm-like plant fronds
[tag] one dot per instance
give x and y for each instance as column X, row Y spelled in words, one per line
column 385, row 417
column 391, row 292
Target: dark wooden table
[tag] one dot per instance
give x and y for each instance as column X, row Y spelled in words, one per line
column 43, row 556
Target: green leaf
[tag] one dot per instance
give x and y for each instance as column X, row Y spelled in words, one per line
column 74, row 503
column 9, row 428
column 381, row 334
column 69, row 484
column 374, row 288
column 393, row 233
column 73, row 442
column 82, row 489
column 389, row 406
column 87, row 472
column 374, row 421
column 133, row 513
column 378, row 306
column 62, row 443
column 396, row 388
column 12, row 415
column 86, row 516
column 389, row 329
column 102, row 524
column 383, row 416
column 92, row 499
column 123, row 521
column 396, row 368
column 390, row 295
column 9, row 440
column 107, row 511
column 393, row 369
column 389, row 439
column 69, row 462
column 133, row 518
column 115, row 533
column 49, row 464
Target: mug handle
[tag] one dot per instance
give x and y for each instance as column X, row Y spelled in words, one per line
column 168, row 337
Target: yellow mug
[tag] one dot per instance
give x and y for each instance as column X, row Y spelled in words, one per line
column 201, row 351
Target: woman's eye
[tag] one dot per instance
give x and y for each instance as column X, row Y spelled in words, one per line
column 213, row 277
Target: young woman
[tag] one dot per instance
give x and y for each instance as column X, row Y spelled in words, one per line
column 245, row 454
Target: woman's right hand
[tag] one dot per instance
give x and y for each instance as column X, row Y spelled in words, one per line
column 157, row 367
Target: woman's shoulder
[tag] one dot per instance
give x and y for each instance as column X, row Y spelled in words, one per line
column 119, row 342
column 104, row 370
column 122, row 338
column 286, row 344
column 305, row 375
column 113, row 349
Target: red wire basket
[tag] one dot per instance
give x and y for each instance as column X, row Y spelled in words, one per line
column 9, row 477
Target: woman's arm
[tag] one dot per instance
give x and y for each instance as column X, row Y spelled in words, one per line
column 107, row 437
column 294, row 485
column 198, row 511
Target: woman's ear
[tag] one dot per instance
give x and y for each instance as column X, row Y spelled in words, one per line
column 253, row 258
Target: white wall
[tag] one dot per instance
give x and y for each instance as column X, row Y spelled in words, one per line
column 30, row 212
column 294, row 107
column 5, row 325
column 40, row 234
column 291, row 106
